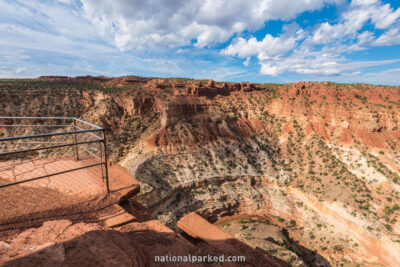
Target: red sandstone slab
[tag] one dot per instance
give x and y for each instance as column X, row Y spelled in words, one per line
column 119, row 220
column 122, row 183
column 197, row 227
column 118, row 217
column 115, row 211
column 120, row 177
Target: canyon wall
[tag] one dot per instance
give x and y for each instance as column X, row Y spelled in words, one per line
column 318, row 159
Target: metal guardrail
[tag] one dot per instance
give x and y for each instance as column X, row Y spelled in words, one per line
column 13, row 148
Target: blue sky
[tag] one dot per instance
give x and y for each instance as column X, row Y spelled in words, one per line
column 227, row 40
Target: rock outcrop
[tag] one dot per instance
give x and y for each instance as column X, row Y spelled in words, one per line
column 149, row 243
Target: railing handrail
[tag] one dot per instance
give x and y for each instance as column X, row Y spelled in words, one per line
column 52, row 118
column 48, row 147
column 36, row 118
column 48, row 134
column 96, row 128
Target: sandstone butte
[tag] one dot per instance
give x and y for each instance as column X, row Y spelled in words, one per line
column 318, row 160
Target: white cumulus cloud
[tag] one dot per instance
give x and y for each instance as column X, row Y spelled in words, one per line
column 137, row 24
column 322, row 51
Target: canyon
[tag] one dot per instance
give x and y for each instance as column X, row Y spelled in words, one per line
column 318, row 160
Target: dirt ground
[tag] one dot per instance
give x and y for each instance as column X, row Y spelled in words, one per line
column 62, row 196
column 257, row 232
column 82, row 183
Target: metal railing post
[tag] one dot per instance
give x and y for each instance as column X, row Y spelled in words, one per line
column 105, row 159
column 76, row 141
column 101, row 161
